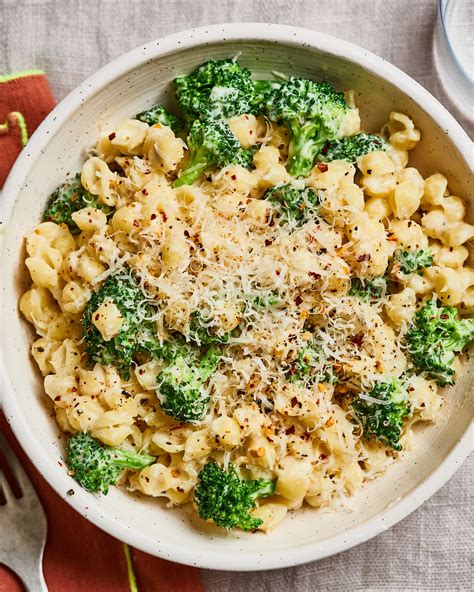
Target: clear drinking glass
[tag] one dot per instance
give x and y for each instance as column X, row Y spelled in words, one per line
column 454, row 52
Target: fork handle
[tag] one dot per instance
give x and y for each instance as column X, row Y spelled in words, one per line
column 34, row 580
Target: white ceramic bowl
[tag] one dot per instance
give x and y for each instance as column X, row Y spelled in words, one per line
column 124, row 87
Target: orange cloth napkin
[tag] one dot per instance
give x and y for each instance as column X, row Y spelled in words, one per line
column 25, row 100
column 78, row 555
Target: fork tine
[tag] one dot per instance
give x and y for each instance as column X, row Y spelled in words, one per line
column 16, row 468
column 6, row 489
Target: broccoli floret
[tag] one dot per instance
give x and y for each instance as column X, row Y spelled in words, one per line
column 369, row 289
column 68, row 198
column 171, row 349
column 202, row 332
column 353, row 147
column 137, row 333
column 181, row 386
column 435, row 337
column 261, row 92
column 211, row 143
column 383, row 411
column 158, row 114
column 226, row 499
column 411, row 261
column 311, row 365
column 216, row 89
column 293, row 205
column 95, row 466
column 267, row 301
column 313, row 112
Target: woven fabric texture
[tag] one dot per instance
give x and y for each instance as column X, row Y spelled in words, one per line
column 70, row 39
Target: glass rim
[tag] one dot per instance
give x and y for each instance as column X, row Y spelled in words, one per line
column 442, row 4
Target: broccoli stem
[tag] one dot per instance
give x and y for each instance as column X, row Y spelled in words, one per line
column 127, row 459
column 303, row 148
column 95, row 466
column 193, row 171
column 266, row 487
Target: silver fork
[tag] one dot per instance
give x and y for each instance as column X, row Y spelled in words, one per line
column 22, row 526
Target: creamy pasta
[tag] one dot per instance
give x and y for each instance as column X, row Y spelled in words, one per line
column 285, row 298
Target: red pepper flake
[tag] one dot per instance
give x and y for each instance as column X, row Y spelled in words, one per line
column 315, row 276
column 164, row 216
column 444, row 316
column 153, row 217
column 112, row 136
column 322, row 166
column 358, row 339
column 294, row 402
column 233, row 177
column 290, row 431
column 298, row 300
column 136, row 223
column 268, row 242
column 365, row 257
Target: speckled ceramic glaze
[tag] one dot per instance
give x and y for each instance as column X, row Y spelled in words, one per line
column 121, row 89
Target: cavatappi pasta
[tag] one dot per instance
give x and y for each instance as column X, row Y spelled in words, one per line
column 215, row 247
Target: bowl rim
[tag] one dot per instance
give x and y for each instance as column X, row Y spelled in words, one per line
column 56, row 477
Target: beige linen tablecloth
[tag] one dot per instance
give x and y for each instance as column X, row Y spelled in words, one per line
column 431, row 549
